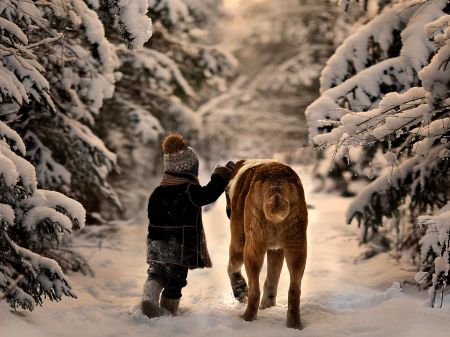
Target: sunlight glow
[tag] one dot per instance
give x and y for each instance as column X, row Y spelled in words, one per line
column 232, row 4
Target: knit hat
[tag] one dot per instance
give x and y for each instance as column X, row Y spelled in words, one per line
column 178, row 156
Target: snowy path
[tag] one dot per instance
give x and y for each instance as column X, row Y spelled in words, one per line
column 339, row 298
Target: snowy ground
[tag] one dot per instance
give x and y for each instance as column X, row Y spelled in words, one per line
column 339, row 297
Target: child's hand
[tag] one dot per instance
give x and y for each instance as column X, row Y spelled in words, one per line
column 230, row 164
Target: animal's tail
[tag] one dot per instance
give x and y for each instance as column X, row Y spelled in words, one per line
column 276, row 206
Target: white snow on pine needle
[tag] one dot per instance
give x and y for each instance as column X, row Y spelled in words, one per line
column 177, row 10
column 38, row 214
column 380, row 186
column 48, row 171
column 13, row 29
column 12, row 135
column 391, row 158
column 146, row 126
column 53, row 199
column 8, row 170
column 163, row 69
column 6, row 212
column 95, row 33
column 20, row 169
column 81, row 132
column 11, row 87
column 437, row 231
column 137, row 23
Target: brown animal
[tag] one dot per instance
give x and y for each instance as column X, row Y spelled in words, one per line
column 268, row 214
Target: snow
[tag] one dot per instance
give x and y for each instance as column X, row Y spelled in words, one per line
column 352, row 49
column 53, row 200
column 10, row 86
column 40, row 213
column 163, row 71
column 48, row 171
column 80, row 132
column 146, row 126
column 341, row 295
column 14, row 30
column 137, row 24
column 7, row 214
column 177, row 9
column 14, row 167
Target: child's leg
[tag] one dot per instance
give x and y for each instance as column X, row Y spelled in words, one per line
column 176, row 280
column 152, row 290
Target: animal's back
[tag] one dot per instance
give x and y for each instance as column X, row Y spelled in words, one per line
column 275, row 189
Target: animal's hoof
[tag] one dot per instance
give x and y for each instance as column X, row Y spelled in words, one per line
column 294, row 324
column 248, row 317
column 266, row 305
column 240, row 292
column 267, row 302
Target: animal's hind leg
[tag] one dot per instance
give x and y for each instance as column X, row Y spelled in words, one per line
column 296, row 261
column 275, row 259
column 238, row 284
column 253, row 259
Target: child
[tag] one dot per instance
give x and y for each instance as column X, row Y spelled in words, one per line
column 176, row 240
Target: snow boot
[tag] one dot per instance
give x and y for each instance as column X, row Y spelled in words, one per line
column 150, row 299
column 170, row 304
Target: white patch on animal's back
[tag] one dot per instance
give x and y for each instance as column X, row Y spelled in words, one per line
column 249, row 163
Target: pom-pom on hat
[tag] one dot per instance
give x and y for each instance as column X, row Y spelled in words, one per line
column 178, row 156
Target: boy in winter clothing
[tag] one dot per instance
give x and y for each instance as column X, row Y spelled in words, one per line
column 176, row 240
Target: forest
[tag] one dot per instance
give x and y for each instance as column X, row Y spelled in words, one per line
column 353, row 94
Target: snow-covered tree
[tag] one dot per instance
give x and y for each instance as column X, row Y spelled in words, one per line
column 282, row 46
column 36, row 217
column 386, row 88
column 435, row 244
column 162, row 85
column 133, row 23
column 56, row 54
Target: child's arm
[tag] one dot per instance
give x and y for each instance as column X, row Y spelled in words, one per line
column 203, row 195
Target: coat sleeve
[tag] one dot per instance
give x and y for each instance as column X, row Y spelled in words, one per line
column 203, row 195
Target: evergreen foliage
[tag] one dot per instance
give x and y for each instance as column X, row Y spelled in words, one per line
column 386, row 90
column 161, row 87
column 36, row 218
column 282, row 46
column 79, row 102
column 65, row 67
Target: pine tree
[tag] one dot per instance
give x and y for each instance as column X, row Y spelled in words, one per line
column 387, row 89
column 36, row 217
column 161, row 86
column 66, row 68
column 282, row 46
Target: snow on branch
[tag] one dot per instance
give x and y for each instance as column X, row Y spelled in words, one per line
column 12, row 139
column 161, row 73
column 49, row 172
column 375, row 61
column 144, row 125
column 135, row 26
column 386, row 89
column 172, row 12
column 372, row 43
column 25, row 210
column 436, row 240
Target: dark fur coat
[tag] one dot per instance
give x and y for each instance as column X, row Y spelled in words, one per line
column 175, row 231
